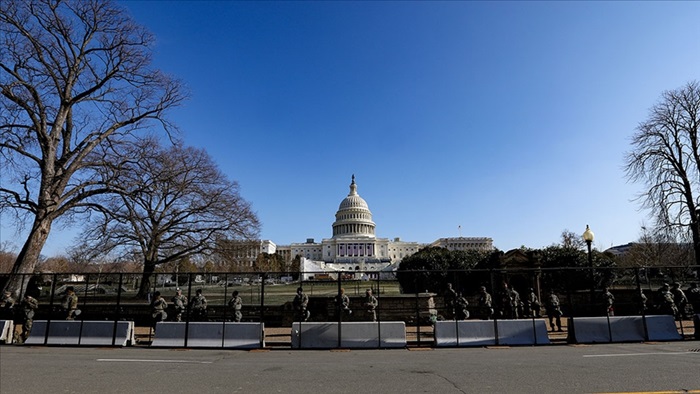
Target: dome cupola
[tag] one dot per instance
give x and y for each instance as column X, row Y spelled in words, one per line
column 353, row 218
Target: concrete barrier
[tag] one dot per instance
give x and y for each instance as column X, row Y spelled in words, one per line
column 483, row 332
column 623, row 329
column 696, row 321
column 663, row 328
column 210, row 335
column 82, row 333
column 7, row 329
column 352, row 335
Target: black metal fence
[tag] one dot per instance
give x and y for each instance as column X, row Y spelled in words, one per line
column 418, row 298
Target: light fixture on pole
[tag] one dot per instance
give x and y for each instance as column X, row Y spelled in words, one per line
column 588, row 236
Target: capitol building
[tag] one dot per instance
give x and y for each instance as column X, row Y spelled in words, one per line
column 354, row 246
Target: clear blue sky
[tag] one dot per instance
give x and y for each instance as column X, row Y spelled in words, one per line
column 510, row 119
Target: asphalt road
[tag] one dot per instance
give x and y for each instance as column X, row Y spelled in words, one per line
column 653, row 367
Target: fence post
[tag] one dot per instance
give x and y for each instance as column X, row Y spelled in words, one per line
column 189, row 306
column 117, row 315
column 48, row 320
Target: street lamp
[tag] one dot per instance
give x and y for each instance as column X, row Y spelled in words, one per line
column 588, row 237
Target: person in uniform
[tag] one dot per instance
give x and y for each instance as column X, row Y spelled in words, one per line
column 509, row 302
column 6, row 305
column 69, row 303
column 158, row 308
column 608, row 302
column 533, row 304
column 236, row 302
column 462, row 313
column 694, row 297
column 370, row 303
column 198, row 303
column 679, row 299
column 641, row 302
column 485, row 303
column 301, row 305
column 342, row 302
column 28, row 306
column 553, row 310
column 449, row 297
column 180, row 303
column 667, row 305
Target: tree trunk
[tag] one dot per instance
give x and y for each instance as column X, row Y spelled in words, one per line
column 28, row 257
column 145, row 287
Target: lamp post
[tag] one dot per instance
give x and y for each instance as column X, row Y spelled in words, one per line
column 588, row 237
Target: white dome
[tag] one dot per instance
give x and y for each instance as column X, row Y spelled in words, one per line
column 353, row 217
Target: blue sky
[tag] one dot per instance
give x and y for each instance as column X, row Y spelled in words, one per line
column 509, row 119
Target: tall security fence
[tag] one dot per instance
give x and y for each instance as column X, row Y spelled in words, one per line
column 419, row 298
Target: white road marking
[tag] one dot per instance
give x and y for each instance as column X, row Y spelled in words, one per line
column 639, row 354
column 135, row 360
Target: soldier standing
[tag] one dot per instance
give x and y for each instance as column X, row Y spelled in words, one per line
column 608, row 302
column 667, row 306
column 485, row 303
column 199, row 306
column 236, row 303
column 180, row 303
column 69, row 303
column 462, row 312
column 553, row 310
column 679, row 299
column 370, row 304
column 449, row 297
column 510, row 302
column 6, row 305
column 28, row 306
column 342, row 302
column 158, row 307
column 694, row 297
column 641, row 302
column 533, row 304
column 301, row 304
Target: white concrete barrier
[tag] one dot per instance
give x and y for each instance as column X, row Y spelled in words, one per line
column 522, row 332
column 663, row 328
column 7, row 329
column 696, row 321
column 483, row 332
column 82, row 333
column 623, row 329
column 210, row 335
column 352, row 335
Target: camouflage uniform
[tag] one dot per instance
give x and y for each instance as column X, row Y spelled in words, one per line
column 667, row 305
column 28, row 305
column 300, row 304
column 533, row 304
column 180, row 303
column 694, row 297
column 6, row 305
column 449, row 297
column 553, row 311
column 485, row 303
column 608, row 302
column 158, row 307
column 679, row 299
column 69, row 303
column 236, row 303
column 342, row 302
column 370, row 304
column 198, row 303
column 462, row 313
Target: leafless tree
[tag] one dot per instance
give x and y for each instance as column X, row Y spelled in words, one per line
column 75, row 76
column 174, row 204
column 666, row 159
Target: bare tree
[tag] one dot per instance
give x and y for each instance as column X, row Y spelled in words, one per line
column 74, row 76
column 174, row 204
column 666, row 159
